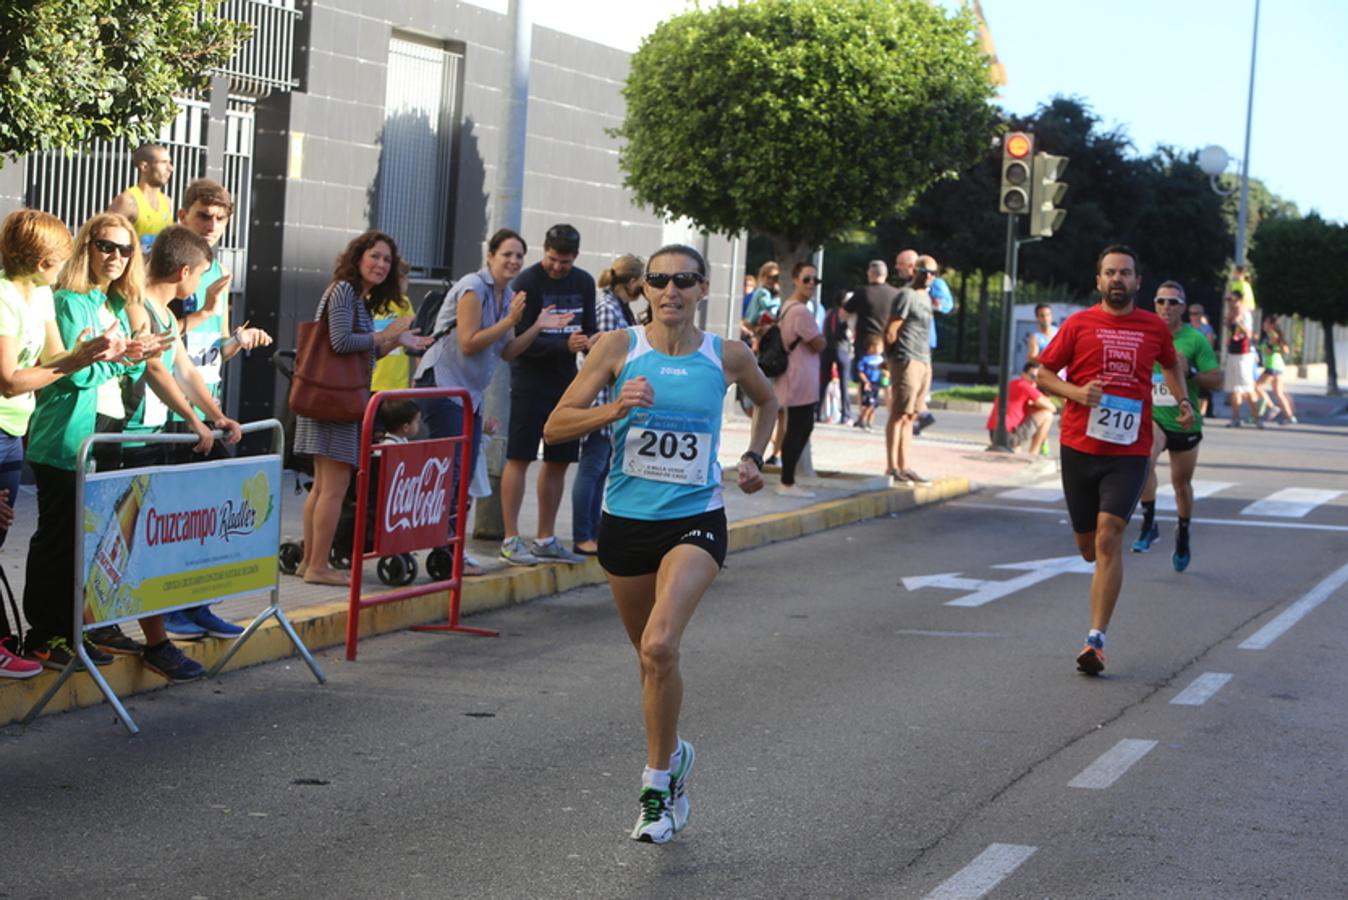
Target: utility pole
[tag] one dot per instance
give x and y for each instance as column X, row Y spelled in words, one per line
column 507, row 212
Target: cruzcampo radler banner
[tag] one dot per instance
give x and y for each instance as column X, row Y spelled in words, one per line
column 174, row 536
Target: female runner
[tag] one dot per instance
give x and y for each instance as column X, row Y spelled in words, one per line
column 662, row 537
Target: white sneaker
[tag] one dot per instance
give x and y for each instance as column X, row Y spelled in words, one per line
column 678, row 785
column 655, row 825
column 793, row 490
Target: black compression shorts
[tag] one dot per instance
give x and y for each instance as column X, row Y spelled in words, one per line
column 1179, row 441
column 629, row 547
column 1094, row 484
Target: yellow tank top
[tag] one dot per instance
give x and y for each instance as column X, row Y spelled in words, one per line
column 151, row 221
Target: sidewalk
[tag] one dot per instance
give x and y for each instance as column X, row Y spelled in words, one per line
column 849, row 484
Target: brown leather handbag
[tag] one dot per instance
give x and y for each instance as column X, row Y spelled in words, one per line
column 327, row 385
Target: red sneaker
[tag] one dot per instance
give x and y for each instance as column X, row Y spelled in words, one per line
column 1091, row 660
column 12, row 666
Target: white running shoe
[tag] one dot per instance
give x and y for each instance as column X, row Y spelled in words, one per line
column 793, row 490
column 655, row 825
column 678, row 785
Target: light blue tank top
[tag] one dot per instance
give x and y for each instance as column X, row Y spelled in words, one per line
column 664, row 457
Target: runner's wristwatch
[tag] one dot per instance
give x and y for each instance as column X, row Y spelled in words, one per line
column 755, row 458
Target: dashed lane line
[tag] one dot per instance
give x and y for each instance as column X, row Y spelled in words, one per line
column 1110, row 767
column 1201, row 689
column 989, row 869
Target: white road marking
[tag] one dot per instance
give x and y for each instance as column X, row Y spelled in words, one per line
column 987, row 871
column 1165, row 494
column 1295, row 526
column 1036, row 570
column 1110, row 767
column 1298, row 610
column 1042, row 492
column 1290, row 503
column 921, row 632
column 1201, row 689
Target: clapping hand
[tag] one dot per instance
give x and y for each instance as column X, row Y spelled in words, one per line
column 550, row 319
column 414, row 342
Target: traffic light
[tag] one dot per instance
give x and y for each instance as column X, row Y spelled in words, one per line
column 1015, row 193
column 1046, row 193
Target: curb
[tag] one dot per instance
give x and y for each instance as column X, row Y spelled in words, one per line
column 323, row 625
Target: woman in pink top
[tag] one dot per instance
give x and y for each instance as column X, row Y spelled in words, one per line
column 798, row 387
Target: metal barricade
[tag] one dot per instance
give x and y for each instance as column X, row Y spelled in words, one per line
column 109, row 592
column 415, row 497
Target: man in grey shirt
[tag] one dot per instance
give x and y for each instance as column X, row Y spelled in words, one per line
column 908, row 346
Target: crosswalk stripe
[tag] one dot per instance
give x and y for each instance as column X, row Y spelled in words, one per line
column 1042, row 492
column 1290, row 503
column 1165, row 494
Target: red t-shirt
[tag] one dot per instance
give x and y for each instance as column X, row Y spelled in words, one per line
column 1020, row 393
column 1119, row 352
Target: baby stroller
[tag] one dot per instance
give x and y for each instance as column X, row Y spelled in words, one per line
column 393, row 571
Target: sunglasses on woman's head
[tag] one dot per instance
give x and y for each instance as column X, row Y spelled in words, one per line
column 682, row 280
column 103, row 246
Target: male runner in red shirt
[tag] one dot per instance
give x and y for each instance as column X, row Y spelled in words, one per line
column 1108, row 351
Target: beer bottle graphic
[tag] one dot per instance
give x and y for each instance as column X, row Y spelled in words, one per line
column 104, row 589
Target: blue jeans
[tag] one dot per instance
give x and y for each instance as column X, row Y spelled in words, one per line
column 11, row 467
column 444, row 418
column 587, row 492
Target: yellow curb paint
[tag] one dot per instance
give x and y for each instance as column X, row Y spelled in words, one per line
column 323, row 625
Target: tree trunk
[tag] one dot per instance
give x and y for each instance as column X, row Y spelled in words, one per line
column 984, row 328
column 789, row 251
column 1331, row 364
column 959, row 318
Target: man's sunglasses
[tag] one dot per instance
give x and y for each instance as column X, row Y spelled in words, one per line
column 682, row 280
column 103, row 246
column 1169, row 301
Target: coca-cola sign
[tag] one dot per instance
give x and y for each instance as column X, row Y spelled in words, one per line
column 415, row 481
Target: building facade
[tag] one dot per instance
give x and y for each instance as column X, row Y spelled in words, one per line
column 341, row 115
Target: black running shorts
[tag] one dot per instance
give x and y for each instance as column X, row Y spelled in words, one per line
column 629, row 547
column 528, row 412
column 1179, row 441
column 1094, row 484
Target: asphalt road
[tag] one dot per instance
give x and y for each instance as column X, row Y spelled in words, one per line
column 856, row 738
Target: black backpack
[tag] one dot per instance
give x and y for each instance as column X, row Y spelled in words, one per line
column 427, row 313
column 773, row 354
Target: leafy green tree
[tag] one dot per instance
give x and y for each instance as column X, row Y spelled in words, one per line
column 75, row 70
column 1303, row 267
column 801, row 119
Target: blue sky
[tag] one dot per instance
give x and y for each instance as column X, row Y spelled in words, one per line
column 1167, row 71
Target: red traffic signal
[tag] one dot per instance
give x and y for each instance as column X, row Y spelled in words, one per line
column 1014, row 196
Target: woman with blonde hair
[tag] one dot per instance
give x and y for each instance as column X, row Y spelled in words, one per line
column 102, row 277
column 33, row 247
column 621, row 284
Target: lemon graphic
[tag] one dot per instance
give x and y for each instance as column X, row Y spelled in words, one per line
column 90, row 521
column 257, row 494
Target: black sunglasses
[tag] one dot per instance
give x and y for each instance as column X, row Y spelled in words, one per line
column 682, row 280
column 811, row 279
column 109, row 246
column 926, row 271
column 1169, row 301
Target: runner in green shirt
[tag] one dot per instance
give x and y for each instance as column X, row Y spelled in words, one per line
column 1167, row 434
